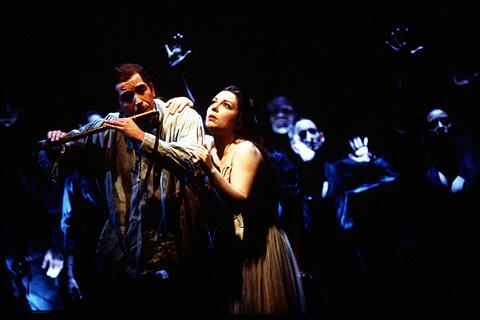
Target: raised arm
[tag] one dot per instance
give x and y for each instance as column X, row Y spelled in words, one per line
column 176, row 55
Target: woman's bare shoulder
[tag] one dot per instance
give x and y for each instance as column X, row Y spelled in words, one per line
column 247, row 148
column 247, row 145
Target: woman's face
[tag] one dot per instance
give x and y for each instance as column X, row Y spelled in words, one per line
column 222, row 113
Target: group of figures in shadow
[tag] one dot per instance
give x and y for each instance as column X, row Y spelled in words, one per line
column 270, row 217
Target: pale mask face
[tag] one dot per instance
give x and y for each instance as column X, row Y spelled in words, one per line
column 306, row 131
column 438, row 122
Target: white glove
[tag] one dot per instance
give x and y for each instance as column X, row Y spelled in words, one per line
column 360, row 150
column 53, row 262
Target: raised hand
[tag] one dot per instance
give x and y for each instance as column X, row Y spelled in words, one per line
column 176, row 54
column 457, row 184
column 360, row 150
column 53, row 262
column 400, row 40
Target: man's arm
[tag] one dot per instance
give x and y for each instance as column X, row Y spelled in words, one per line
column 173, row 150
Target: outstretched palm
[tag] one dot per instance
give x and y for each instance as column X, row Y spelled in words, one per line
column 360, row 150
column 176, row 53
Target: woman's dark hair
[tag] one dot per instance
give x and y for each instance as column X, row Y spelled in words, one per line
column 246, row 124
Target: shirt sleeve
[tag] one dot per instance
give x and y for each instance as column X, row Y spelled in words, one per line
column 178, row 133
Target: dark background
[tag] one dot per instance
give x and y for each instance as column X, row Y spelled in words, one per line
column 329, row 58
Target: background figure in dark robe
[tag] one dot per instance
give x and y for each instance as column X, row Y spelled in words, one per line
column 345, row 264
column 84, row 211
column 442, row 262
column 30, row 246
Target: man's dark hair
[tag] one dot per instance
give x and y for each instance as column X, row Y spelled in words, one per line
column 125, row 71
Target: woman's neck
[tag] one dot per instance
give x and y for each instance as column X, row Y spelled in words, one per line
column 223, row 144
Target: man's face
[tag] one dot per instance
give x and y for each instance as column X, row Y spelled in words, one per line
column 306, row 131
column 438, row 122
column 135, row 96
column 281, row 118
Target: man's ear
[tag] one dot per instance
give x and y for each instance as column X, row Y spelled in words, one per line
column 152, row 88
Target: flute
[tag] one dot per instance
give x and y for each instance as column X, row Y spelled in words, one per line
column 43, row 144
